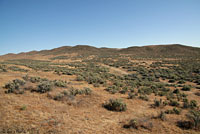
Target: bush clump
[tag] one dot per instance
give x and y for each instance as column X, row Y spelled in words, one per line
column 14, row 86
column 44, row 87
column 194, row 117
column 143, row 97
column 35, row 79
column 192, row 104
column 173, row 111
column 193, row 121
column 112, row 89
column 60, row 83
column 131, row 95
column 174, row 103
column 159, row 103
column 87, row 91
column 186, row 88
column 115, row 105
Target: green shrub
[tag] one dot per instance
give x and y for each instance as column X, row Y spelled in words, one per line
column 143, row 97
column 145, row 90
column 18, row 81
column 185, row 124
column 181, row 82
column 174, row 103
column 115, row 105
column 173, row 111
column 14, row 86
column 73, row 91
column 124, row 90
column 35, row 79
column 80, row 78
column 15, row 68
column 186, row 88
column 44, row 87
column 131, row 95
column 87, row 91
column 60, row 83
column 171, row 81
column 186, row 104
column 194, row 117
column 157, row 103
column 193, row 104
column 112, row 89
column 176, row 91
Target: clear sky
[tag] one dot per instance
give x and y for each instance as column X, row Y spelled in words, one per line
column 27, row 25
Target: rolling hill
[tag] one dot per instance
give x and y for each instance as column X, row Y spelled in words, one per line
column 172, row 50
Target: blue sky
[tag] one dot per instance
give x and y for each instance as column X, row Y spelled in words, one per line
column 27, row 25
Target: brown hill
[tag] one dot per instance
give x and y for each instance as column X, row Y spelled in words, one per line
column 173, row 50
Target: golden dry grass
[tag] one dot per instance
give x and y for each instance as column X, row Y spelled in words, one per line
column 81, row 115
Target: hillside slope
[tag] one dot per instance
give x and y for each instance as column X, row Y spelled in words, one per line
column 168, row 51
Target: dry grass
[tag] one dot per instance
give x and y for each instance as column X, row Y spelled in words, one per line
column 83, row 114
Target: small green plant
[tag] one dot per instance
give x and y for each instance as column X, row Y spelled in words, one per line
column 158, row 103
column 115, row 105
column 186, row 103
column 193, row 104
column 23, row 108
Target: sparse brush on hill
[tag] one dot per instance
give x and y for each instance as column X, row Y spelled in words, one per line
column 115, row 105
column 65, row 95
column 15, row 68
column 142, row 76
